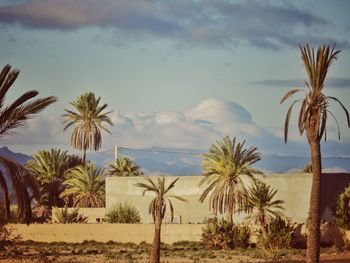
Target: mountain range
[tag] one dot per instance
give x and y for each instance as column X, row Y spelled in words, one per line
column 188, row 162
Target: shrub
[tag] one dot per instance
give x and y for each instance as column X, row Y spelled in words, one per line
column 63, row 216
column 220, row 234
column 342, row 211
column 279, row 235
column 123, row 214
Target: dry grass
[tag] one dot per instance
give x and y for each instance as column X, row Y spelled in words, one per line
column 194, row 252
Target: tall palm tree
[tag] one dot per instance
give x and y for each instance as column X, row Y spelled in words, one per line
column 88, row 120
column 261, row 206
column 15, row 116
column 86, row 185
column 158, row 208
column 223, row 167
column 124, row 167
column 50, row 168
column 312, row 120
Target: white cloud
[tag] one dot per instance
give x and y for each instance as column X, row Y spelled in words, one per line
column 194, row 128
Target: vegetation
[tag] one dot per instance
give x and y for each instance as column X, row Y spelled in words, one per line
column 12, row 117
column 86, row 186
column 124, row 167
column 312, row 120
column 49, row 168
column 223, row 167
column 88, row 119
column 342, row 211
column 64, row 216
column 221, row 234
column 123, row 214
column 158, row 208
column 307, row 168
column 262, row 207
column 279, row 235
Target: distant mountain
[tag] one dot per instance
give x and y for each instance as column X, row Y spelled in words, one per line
column 184, row 162
column 156, row 160
column 188, row 162
column 19, row 157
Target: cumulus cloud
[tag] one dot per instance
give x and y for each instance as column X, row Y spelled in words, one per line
column 264, row 24
column 331, row 82
column 194, row 128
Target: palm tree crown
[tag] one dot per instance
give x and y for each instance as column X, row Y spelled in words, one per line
column 88, row 119
column 49, row 168
column 158, row 205
column 261, row 204
column 314, row 108
column 86, row 185
column 124, row 167
column 223, row 168
column 11, row 117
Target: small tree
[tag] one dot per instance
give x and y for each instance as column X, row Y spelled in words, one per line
column 223, row 168
column 158, row 208
column 261, row 206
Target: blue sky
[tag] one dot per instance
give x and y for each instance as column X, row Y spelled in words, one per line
column 176, row 73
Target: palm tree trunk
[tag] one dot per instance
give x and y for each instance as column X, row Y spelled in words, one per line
column 155, row 252
column 313, row 237
column 229, row 216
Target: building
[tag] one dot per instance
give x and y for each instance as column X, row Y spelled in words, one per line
column 294, row 189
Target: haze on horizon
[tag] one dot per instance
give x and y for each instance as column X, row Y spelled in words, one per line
column 178, row 74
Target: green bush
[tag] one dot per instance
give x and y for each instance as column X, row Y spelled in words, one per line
column 222, row 235
column 63, row 216
column 279, row 235
column 342, row 211
column 123, row 214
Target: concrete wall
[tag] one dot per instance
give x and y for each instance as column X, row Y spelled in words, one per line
column 136, row 233
column 294, row 189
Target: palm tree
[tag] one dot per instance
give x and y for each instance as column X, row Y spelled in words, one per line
column 124, row 167
column 49, row 168
column 223, row 167
column 261, row 206
column 11, row 117
column 158, row 208
column 312, row 120
column 88, row 120
column 86, row 185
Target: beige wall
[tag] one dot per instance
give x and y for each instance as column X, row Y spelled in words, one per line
column 294, row 189
column 136, row 233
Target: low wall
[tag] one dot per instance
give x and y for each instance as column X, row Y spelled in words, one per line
column 135, row 233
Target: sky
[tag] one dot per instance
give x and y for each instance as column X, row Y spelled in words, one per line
column 177, row 74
